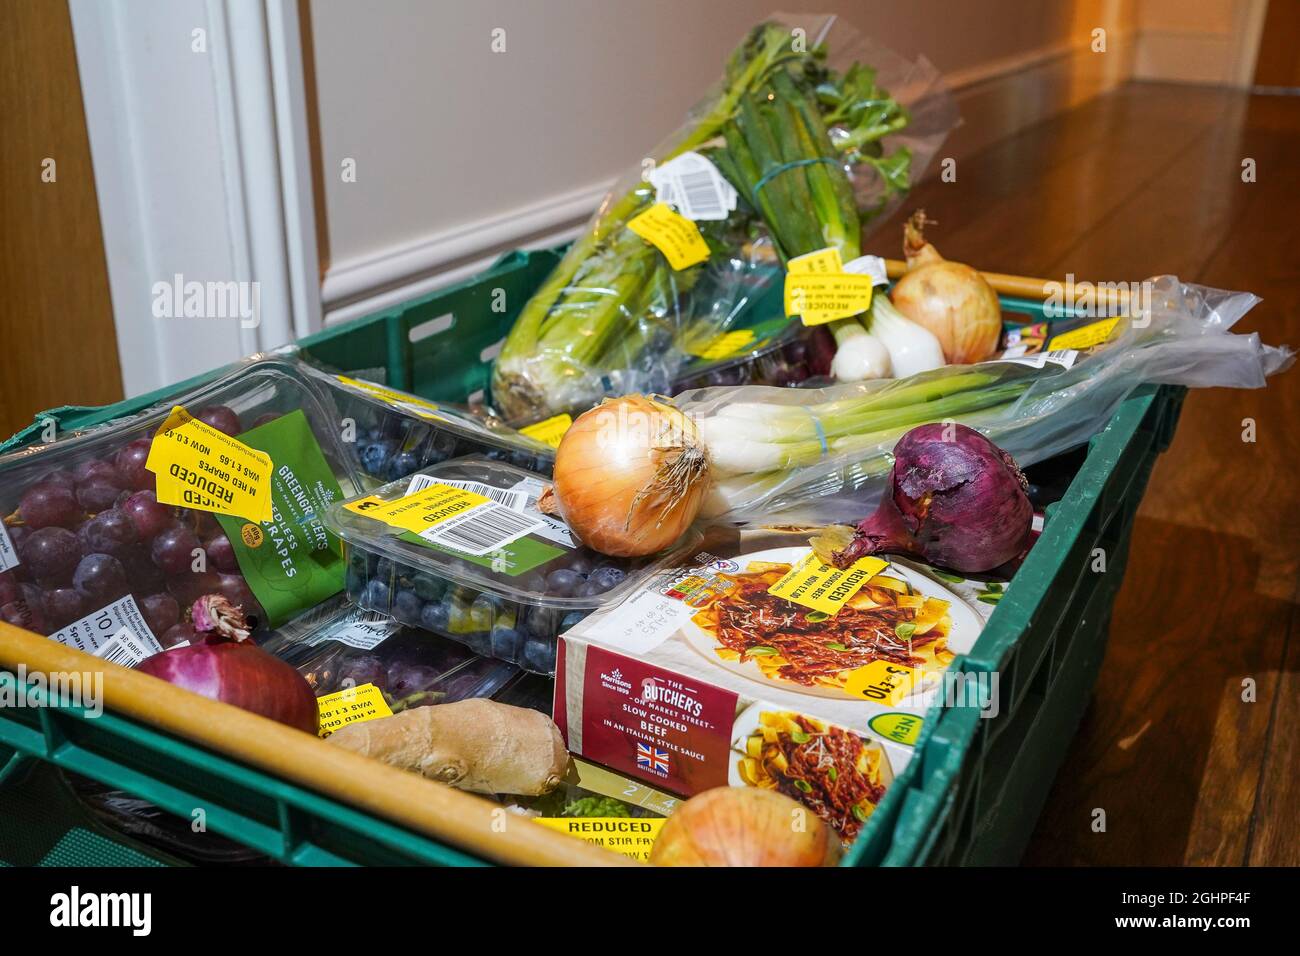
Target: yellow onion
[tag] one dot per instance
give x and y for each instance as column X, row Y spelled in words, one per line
column 630, row 475
column 950, row 299
column 743, row 826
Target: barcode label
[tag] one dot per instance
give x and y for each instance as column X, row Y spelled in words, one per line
column 362, row 629
column 692, row 184
column 873, row 266
column 122, row 648
column 552, row 529
column 8, row 553
column 481, row 530
column 1063, row 357
column 699, row 194
column 121, row 622
column 512, row 499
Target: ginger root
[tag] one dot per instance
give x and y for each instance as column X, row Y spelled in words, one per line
column 475, row 744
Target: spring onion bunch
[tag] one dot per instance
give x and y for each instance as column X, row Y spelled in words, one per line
column 613, row 300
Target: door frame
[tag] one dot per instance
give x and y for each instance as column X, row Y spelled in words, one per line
column 196, row 112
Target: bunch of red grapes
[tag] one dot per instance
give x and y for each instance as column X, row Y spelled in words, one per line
column 90, row 536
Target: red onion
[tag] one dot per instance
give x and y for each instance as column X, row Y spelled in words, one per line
column 224, row 666
column 955, row 499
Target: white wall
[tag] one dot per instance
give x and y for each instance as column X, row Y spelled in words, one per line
column 461, row 151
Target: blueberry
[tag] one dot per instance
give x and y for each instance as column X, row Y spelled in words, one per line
column 539, row 656
column 590, row 589
column 521, row 459
column 435, row 616
column 407, row 607
column 384, row 570
column 542, row 622
column 375, row 456
column 563, row 582
column 572, row 618
column 497, row 454
column 483, row 612
column 580, row 563
column 428, row 586
column 442, row 447
column 507, row 643
column 606, row 578
column 401, row 465
column 376, row 597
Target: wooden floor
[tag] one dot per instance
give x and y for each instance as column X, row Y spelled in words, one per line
column 1145, row 181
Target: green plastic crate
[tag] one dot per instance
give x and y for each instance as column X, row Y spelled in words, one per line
column 971, row 795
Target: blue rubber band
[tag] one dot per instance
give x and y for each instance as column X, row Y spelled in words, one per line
column 821, row 432
column 788, row 166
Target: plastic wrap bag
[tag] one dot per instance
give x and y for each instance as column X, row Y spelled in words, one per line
column 1033, row 407
column 850, row 125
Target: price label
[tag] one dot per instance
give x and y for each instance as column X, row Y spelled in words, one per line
column 1084, row 337
column 818, row 290
column 822, row 587
column 882, row 681
column 549, row 431
column 724, row 346
column 201, row 468
column 672, row 234
column 630, row 836
column 351, row 705
column 422, row 510
column 399, row 400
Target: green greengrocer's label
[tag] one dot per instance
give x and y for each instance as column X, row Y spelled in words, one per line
column 291, row 562
column 514, row 559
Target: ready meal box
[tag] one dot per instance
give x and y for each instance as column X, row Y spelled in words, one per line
column 755, row 664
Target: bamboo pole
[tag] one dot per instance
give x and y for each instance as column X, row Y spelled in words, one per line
column 1026, row 286
column 433, row 809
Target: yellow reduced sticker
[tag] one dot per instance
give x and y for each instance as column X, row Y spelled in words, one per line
column 724, row 346
column 550, row 430
column 1084, row 337
column 351, row 706
column 821, row 587
column 672, row 234
column 818, row 290
column 826, row 261
column 882, row 681
column 201, row 468
column 631, row 836
column 421, row 511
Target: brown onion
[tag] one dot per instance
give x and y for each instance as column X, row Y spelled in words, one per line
column 743, row 826
column 952, row 300
column 630, row 475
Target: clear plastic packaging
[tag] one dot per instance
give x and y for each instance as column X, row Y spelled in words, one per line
column 85, row 540
column 396, row 433
column 812, row 132
column 356, row 647
column 832, row 447
column 797, row 356
column 509, row 600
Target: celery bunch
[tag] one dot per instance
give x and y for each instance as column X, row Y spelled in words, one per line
column 613, row 300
